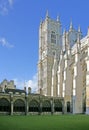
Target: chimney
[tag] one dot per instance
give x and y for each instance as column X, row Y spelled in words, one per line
column 29, row 90
column 25, row 89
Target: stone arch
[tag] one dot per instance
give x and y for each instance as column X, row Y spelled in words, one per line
column 19, row 105
column 84, row 106
column 58, row 106
column 33, row 106
column 68, row 106
column 4, row 105
column 46, row 106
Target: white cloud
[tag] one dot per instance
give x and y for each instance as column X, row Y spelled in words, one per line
column 5, row 6
column 11, row 2
column 19, row 83
column 33, row 83
column 30, row 83
column 5, row 43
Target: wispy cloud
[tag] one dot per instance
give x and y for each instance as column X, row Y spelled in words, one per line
column 11, row 2
column 5, row 43
column 19, row 83
column 30, row 83
column 5, row 6
column 33, row 83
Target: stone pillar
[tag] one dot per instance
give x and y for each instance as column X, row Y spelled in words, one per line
column 52, row 85
column 52, row 106
column 26, row 106
column 11, row 107
column 54, row 79
column 64, row 75
column 40, row 108
column 73, row 104
column 60, row 76
column 58, row 85
column 65, row 107
column 11, row 104
column 74, row 88
column 77, row 82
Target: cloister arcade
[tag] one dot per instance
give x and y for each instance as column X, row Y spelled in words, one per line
column 27, row 105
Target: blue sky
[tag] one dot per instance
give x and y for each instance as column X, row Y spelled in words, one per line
column 19, row 33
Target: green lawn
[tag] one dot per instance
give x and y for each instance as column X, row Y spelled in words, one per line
column 59, row 122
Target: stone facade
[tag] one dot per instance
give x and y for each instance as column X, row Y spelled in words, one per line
column 63, row 66
column 7, row 84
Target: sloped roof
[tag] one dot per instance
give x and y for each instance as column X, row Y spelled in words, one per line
column 15, row 91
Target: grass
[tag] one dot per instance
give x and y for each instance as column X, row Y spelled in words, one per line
column 47, row 122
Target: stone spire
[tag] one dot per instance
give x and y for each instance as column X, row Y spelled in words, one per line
column 64, row 40
column 67, row 39
column 80, row 32
column 41, row 22
column 78, row 47
column 78, row 39
column 47, row 14
column 79, row 29
column 71, row 25
column 58, row 19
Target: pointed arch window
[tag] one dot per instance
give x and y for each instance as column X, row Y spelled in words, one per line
column 53, row 37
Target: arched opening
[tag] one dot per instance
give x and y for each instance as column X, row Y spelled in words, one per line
column 33, row 106
column 68, row 106
column 58, row 106
column 46, row 106
column 19, row 106
column 84, row 106
column 4, row 105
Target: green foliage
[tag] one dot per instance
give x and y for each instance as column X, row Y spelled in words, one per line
column 47, row 122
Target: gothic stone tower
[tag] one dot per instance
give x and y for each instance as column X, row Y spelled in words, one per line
column 50, row 38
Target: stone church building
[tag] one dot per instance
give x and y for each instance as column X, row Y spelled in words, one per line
column 63, row 75
column 63, row 66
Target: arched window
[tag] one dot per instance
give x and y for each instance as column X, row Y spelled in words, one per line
column 19, row 106
column 84, row 106
column 53, row 37
column 33, row 106
column 68, row 106
column 46, row 106
column 4, row 105
column 58, row 106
